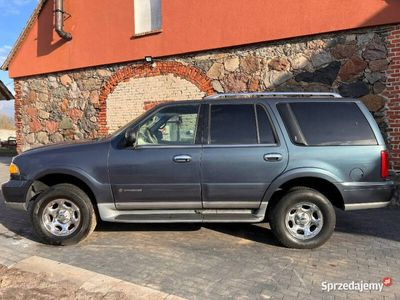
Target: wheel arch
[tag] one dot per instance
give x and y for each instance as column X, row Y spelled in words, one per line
column 320, row 181
column 44, row 180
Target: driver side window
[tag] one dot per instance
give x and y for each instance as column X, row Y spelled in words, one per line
column 174, row 125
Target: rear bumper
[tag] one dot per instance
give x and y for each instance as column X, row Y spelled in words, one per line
column 14, row 193
column 364, row 195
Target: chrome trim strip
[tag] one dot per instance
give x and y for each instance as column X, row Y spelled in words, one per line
column 388, row 183
column 236, row 184
column 224, row 211
column 162, row 221
column 250, row 219
column 187, row 205
column 158, row 205
column 187, row 146
column 372, row 188
column 231, row 204
column 357, row 206
column 239, row 145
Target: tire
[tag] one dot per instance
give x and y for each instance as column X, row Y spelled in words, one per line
column 62, row 206
column 301, row 209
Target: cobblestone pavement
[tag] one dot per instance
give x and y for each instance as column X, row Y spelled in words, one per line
column 217, row 261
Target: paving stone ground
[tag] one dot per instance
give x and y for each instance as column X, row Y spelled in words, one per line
column 240, row 261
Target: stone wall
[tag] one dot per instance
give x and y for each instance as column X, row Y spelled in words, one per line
column 73, row 105
column 351, row 63
column 59, row 107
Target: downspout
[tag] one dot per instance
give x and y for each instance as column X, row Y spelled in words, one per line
column 59, row 12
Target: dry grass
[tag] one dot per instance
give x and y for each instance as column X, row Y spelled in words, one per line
column 17, row 284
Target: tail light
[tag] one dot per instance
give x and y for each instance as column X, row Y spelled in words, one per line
column 384, row 164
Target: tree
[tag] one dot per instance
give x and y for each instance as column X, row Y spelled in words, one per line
column 6, row 122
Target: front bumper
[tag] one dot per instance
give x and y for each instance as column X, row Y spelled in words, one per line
column 14, row 193
column 364, row 195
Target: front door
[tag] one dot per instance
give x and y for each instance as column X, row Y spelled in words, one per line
column 163, row 170
column 242, row 155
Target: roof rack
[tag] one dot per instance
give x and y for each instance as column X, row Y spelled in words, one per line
column 275, row 94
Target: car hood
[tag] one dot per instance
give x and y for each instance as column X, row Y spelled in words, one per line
column 85, row 155
column 59, row 146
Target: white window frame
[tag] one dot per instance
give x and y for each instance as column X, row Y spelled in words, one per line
column 147, row 17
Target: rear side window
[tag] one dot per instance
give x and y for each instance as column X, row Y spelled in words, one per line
column 233, row 124
column 326, row 124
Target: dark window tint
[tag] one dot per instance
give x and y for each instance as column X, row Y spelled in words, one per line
column 327, row 123
column 233, row 124
column 264, row 127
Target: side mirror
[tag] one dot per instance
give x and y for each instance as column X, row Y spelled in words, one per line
column 130, row 137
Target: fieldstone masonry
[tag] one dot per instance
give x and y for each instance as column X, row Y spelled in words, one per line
column 89, row 102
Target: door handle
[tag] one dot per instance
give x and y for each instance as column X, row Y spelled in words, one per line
column 273, row 157
column 183, row 158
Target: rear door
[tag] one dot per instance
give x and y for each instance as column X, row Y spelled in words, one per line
column 334, row 136
column 242, row 153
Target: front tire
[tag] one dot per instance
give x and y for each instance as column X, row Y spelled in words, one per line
column 304, row 218
column 62, row 215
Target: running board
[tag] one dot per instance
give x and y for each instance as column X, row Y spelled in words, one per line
column 109, row 213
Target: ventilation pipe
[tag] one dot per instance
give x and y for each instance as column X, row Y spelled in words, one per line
column 59, row 11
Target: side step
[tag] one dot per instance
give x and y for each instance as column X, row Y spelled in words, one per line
column 108, row 212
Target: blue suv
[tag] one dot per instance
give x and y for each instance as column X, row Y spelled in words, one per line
column 287, row 158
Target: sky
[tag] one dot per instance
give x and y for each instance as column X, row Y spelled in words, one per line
column 13, row 16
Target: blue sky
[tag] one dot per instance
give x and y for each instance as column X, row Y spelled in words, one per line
column 13, row 17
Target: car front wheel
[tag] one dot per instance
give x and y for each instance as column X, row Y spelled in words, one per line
column 303, row 218
column 62, row 215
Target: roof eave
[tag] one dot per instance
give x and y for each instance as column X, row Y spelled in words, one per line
column 21, row 37
column 5, row 93
column 4, row 66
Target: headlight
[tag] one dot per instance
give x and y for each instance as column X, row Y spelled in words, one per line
column 13, row 169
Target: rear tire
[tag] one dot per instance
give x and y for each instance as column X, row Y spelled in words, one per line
column 62, row 215
column 304, row 218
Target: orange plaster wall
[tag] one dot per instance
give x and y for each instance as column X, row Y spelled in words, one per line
column 102, row 30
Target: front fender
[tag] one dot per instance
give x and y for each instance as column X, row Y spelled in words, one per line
column 102, row 191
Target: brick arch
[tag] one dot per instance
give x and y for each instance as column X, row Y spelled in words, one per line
column 191, row 74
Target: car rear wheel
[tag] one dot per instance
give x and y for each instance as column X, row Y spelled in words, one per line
column 303, row 218
column 62, row 215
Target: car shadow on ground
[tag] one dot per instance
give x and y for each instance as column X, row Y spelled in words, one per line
column 381, row 223
column 17, row 223
column 253, row 232
column 110, row 226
